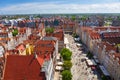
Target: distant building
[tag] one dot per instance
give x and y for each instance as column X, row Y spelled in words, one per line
column 116, row 23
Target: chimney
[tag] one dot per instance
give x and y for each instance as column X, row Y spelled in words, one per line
column 35, row 55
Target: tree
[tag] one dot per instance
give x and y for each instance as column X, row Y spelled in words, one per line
column 75, row 35
column 73, row 18
column 83, row 18
column 67, row 65
column 66, row 54
column 38, row 16
column 15, row 32
column 66, row 75
column 49, row 30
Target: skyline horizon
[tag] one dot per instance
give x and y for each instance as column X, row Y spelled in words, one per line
column 59, row 6
column 58, row 14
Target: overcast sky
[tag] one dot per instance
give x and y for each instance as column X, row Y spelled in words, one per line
column 59, row 6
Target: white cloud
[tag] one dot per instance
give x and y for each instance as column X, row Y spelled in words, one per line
column 31, row 8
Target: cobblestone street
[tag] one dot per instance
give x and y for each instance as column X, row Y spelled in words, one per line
column 79, row 70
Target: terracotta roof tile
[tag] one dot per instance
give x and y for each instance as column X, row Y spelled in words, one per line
column 23, row 67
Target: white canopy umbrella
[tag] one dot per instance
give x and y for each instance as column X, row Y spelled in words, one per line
column 59, row 63
column 59, row 68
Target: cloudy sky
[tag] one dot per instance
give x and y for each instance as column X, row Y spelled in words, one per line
column 59, row 6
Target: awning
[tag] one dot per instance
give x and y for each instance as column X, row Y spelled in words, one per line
column 77, row 39
column 105, row 72
column 59, row 68
column 91, row 62
column 58, row 56
column 66, row 41
column 79, row 44
column 59, row 63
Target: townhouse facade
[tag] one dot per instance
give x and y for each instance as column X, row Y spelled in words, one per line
column 102, row 43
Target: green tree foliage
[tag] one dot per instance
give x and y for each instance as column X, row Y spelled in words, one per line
column 38, row 16
column 83, row 18
column 104, row 78
column 66, row 75
column 109, row 19
column 15, row 32
column 67, row 65
column 66, row 54
column 49, row 30
column 75, row 35
column 73, row 18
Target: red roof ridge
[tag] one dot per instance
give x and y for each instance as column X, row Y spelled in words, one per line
column 40, row 60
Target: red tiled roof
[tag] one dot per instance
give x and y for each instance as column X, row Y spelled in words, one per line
column 58, row 34
column 20, row 47
column 33, row 37
column 28, row 41
column 44, row 48
column 40, row 60
column 105, row 28
column 111, row 34
column 43, row 45
column 22, row 30
column 95, row 35
column 112, row 40
column 23, row 68
column 109, row 46
column 3, row 33
column 117, row 55
column 13, row 51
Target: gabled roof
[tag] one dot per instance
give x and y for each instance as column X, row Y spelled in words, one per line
column 23, row 68
column 94, row 35
column 44, row 48
column 58, row 33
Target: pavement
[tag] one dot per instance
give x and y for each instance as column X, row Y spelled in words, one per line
column 56, row 75
column 79, row 70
